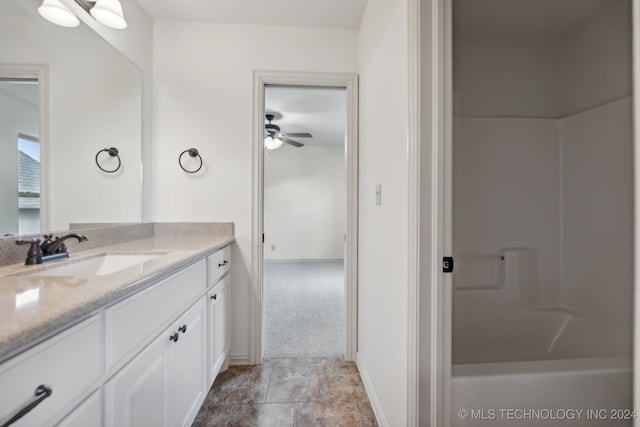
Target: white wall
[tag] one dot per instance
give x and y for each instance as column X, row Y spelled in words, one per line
column 136, row 43
column 304, row 202
column 549, row 76
column 203, row 97
column 505, row 76
column 382, row 245
column 597, row 236
column 16, row 116
column 94, row 101
column 595, row 62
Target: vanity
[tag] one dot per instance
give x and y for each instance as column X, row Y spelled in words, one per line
column 133, row 328
column 138, row 344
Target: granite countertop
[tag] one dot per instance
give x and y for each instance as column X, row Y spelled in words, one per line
column 36, row 307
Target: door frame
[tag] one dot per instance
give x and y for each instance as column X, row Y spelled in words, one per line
column 429, row 225
column 349, row 82
column 635, row 56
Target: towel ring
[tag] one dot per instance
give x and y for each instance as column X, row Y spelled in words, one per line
column 113, row 152
column 193, row 152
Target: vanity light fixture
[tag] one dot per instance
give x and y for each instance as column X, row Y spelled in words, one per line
column 107, row 12
column 57, row 13
column 271, row 143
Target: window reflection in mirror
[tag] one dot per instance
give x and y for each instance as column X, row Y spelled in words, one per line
column 28, row 185
column 19, row 155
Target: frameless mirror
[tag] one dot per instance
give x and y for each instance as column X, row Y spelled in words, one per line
column 65, row 96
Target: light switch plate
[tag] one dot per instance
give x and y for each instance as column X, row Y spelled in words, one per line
column 378, row 194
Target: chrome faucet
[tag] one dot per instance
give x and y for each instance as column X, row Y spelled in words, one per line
column 50, row 249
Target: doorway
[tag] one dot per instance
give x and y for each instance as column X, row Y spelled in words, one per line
column 542, row 181
column 263, row 248
column 304, row 221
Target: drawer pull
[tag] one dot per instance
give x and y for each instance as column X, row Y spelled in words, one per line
column 183, row 328
column 214, row 297
column 225, row 262
column 174, row 337
column 41, row 394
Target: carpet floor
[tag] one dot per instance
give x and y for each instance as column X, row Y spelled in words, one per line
column 303, row 309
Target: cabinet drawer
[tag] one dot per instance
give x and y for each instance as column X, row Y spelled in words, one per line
column 89, row 413
column 68, row 364
column 134, row 322
column 219, row 264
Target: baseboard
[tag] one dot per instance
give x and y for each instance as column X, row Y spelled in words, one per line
column 373, row 398
column 239, row 359
column 306, row 260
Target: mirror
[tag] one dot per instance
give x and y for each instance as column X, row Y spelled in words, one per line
column 71, row 94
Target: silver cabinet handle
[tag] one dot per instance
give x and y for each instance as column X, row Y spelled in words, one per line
column 42, row 392
column 225, row 262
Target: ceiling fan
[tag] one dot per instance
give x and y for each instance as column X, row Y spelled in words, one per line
column 273, row 138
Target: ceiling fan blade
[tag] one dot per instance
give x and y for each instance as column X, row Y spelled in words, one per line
column 297, row 135
column 291, row 142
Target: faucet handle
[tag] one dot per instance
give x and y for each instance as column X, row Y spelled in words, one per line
column 34, row 256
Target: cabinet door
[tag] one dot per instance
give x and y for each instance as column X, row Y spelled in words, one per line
column 190, row 363
column 218, row 327
column 140, row 394
column 221, row 323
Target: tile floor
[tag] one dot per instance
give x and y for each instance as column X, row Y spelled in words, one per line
column 283, row 392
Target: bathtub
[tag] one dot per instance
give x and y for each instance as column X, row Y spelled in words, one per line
column 546, row 393
column 547, row 368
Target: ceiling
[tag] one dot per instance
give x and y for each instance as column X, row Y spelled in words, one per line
column 525, row 18
column 319, row 111
column 297, row 13
column 18, row 8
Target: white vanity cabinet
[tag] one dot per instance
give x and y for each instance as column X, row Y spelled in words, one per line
column 69, row 365
column 134, row 322
column 147, row 360
column 166, row 383
column 219, row 335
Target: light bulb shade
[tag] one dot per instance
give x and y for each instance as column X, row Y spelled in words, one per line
column 57, row 13
column 272, row 143
column 109, row 13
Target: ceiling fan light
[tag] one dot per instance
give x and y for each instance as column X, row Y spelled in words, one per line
column 57, row 13
column 109, row 13
column 271, row 143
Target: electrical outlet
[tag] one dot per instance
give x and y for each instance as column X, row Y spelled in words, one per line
column 273, row 247
column 378, row 194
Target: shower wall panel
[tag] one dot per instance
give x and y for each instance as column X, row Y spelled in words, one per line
column 597, row 214
column 506, row 187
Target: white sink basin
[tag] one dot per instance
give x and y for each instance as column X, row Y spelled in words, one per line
column 97, row 265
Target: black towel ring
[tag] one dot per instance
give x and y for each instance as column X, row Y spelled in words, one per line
column 193, row 152
column 113, row 152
